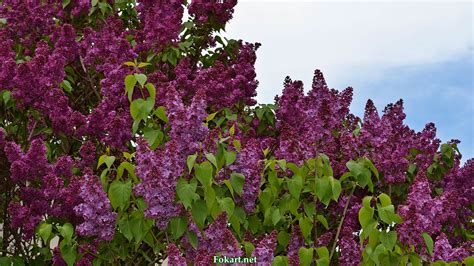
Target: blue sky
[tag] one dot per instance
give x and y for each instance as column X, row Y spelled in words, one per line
column 421, row 52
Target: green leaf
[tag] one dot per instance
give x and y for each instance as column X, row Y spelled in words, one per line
column 230, row 157
column 139, row 225
column 371, row 166
column 249, row 248
column 108, row 160
column 368, row 230
column 388, row 239
column 227, row 204
column 306, row 226
column 131, row 64
column 66, row 85
column 276, row 216
column 283, row 238
column 212, row 159
column 152, row 92
column 141, row 65
column 306, row 256
column 68, row 252
column 324, row 190
column 160, row 112
column 236, row 144
column 229, row 186
column 415, row 259
column 125, row 227
column 335, row 188
column 139, row 109
column 365, row 216
column 152, row 136
column 237, row 180
column 199, row 212
column 280, row 261
column 193, row 239
column 119, row 194
column 178, row 226
column 190, row 162
column 468, row 261
column 141, row 78
column 130, row 169
column 293, row 206
column 211, row 116
column 66, row 231
column 172, row 58
column 295, row 185
column 385, row 200
column 94, row 2
column 6, row 95
column 386, row 213
column 130, row 82
column 428, row 242
column 44, row 231
column 66, row 2
column 323, row 221
column 380, row 249
column 309, row 208
column 204, row 173
column 234, row 222
column 210, row 197
column 323, row 254
column 6, row 261
column 186, row 192
column 266, row 198
column 282, row 164
column 135, row 125
column 361, row 173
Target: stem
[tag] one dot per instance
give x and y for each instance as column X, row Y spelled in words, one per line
column 32, row 130
column 89, row 78
column 340, row 223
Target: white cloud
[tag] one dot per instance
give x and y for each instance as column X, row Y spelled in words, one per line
column 349, row 41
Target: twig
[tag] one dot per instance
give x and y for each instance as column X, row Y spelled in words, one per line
column 32, row 130
column 341, row 222
column 88, row 78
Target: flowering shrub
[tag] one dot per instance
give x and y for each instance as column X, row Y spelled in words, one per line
column 130, row 136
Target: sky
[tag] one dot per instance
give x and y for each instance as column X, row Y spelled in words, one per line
column 420, row 52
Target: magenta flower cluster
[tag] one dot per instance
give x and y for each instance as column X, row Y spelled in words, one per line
column 98, row 220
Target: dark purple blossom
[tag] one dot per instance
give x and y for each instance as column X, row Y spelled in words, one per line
column 174, row 256
column 264, row 250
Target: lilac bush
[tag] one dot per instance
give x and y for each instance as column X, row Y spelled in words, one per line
column 130, row 134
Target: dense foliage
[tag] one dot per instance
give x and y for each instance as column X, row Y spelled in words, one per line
column 131, row 136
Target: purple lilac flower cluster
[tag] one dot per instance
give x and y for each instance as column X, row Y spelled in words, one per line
column 296, row 242
column 264, row 250
column 250, row 164
column 214, row 10
column 95, row 210
column 50, row 196
column 159, row 171
column 174, row 256
column 321, row 123
column 217, row 238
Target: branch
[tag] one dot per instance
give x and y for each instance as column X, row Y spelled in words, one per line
column 340, row 223
column 32, row 130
